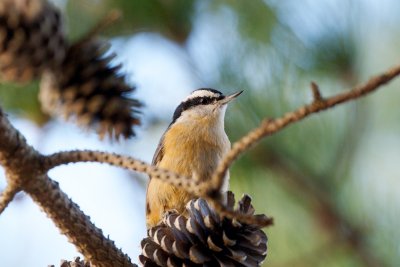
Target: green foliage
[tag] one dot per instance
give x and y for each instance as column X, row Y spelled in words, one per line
column 255, row 19
column 22, row 100
column 170, row 18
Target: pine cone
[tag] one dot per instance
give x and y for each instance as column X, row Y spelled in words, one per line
column 32, row 39
column 89, row 90
column 205, row 239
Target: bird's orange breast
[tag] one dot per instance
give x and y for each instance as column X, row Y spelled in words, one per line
column 189, row 150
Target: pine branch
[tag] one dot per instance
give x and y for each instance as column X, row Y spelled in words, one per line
column 126, row 162
column 24, row 167
column 190, row 184
column 7, row 196
column 271, row 126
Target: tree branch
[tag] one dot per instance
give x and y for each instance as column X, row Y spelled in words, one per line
column 7, row 196
column 24, row 169
column 188, row 183
column 271, row 126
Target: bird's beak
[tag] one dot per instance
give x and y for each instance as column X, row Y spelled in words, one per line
column 229, row 98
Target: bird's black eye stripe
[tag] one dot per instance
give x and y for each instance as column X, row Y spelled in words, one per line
column 204, row 100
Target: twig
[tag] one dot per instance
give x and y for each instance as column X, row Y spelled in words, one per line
column 7, row 196
column 316, row 93
column 271, row 126
column 189, row 184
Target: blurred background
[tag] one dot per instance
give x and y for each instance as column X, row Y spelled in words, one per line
column 331, row 182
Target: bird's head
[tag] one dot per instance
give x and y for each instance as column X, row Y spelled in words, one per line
column 201, row 104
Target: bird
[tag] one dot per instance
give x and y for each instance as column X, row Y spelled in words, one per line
column 192, row 146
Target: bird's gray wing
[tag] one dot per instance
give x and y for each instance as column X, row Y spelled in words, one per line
column 159, row 154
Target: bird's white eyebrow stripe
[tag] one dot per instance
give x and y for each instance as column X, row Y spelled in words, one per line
column 200, row 93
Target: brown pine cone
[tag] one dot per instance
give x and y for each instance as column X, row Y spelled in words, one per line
column 92, row 92
column 205, row 239
column 32, row 39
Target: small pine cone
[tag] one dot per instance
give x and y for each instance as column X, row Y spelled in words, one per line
column 32, row 39
column 89, row 90
column 204, row 238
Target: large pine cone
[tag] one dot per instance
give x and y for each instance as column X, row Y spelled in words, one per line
column 32, row 39
column 89, row 90
column 205, row 239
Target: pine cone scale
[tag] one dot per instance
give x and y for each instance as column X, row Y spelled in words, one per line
column 213, row 246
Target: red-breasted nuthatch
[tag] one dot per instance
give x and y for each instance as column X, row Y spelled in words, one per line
column 192, row 146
